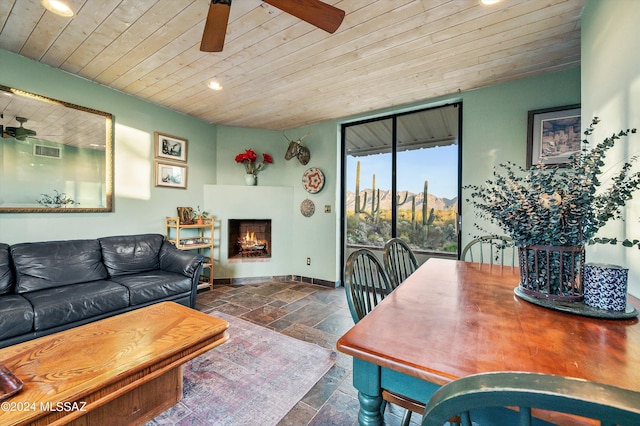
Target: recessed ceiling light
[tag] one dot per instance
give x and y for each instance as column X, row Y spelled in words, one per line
column 214, row 85
column 489, row 2
column 58, row 7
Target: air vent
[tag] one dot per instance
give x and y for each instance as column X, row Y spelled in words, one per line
column 47, row 151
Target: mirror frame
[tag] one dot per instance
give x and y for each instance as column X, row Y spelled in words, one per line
column 109, row 143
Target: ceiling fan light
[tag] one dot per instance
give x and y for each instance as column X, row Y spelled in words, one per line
column 58, row 7
column 489, row 2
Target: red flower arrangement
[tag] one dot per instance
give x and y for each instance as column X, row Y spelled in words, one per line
column 249, row 158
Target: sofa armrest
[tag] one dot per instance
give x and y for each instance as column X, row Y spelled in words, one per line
column 180, row 261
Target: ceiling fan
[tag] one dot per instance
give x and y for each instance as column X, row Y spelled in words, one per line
column 315, row 12
column 21, row 132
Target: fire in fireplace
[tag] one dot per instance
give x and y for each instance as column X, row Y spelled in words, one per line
column 249, row 238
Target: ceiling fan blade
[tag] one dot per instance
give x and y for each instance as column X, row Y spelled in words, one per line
column 216, row 26
column 315, row 12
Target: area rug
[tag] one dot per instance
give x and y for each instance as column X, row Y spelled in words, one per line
column 256, row 377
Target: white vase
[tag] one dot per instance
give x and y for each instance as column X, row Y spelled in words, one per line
column 250, row 179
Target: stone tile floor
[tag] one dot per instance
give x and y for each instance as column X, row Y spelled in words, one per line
column 311, row 313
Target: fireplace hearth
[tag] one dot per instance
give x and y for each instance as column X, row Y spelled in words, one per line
column 249, row 238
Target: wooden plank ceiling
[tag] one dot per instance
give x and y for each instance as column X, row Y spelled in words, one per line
column 278, row 72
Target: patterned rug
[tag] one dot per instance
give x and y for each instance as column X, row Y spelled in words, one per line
column 256, row 377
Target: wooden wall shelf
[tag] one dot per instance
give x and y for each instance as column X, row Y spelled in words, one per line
column 194, row 237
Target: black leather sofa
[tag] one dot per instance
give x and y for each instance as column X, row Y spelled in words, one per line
column 46, row 287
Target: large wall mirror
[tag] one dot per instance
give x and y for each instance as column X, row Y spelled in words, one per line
column 54, row 156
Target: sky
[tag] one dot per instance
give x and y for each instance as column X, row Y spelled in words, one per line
column 438, row 165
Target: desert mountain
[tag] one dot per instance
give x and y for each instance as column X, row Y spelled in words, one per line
column 385, row 201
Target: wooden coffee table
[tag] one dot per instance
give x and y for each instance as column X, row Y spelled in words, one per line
column 122, row 370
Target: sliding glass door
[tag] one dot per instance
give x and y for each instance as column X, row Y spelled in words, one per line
column 401, row 178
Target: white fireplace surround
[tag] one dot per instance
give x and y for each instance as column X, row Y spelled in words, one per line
column 225, row 202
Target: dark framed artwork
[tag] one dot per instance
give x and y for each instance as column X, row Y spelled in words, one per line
column 170, row 147
column 171, row 175
column 553, row 135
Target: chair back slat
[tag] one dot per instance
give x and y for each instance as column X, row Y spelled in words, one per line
column 366, row 283
column 491, row 249
column 489, row 398
column 399, row 261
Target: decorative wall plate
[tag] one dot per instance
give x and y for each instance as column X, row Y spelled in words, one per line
column 313, row 180
column 307, row 208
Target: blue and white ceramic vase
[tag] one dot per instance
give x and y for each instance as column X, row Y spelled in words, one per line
column 605, row 286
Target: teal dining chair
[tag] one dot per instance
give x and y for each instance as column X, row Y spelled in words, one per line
column 482, row 399
column 492, row 249
column 399, row 260
column 367, row 284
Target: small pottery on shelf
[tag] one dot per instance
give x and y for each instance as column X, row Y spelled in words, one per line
column 199, row 216
column 605, row 286
column 250, row 179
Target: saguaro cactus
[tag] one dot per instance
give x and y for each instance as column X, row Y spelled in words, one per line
column 400, row 201
column 375, row 202
column 359, row 207
column 361, row 199
column 426, row 220
column 413, row 212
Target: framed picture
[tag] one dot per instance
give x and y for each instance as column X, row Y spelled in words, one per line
column 553, row 135
column 171, row 175
column 170, row 147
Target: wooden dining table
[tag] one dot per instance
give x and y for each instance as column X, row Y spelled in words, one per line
column 452, row 319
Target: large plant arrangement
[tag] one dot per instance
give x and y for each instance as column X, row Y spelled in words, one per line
column 557, row 206
column 553, row 206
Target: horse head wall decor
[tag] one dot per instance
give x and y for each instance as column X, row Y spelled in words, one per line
column 295, row 149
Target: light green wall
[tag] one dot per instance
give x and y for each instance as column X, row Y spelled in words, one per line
column 24, row 180
column 611, row 91
column 316, row 236
column 495, row 126
column 494, row 131
column 138, row 206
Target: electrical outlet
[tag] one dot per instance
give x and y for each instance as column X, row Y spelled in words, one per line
column 308, row 261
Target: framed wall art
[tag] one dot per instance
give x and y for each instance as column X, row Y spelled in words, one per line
column 49, row 145
column 171, row 175
column 170, row 147
column 553, row 135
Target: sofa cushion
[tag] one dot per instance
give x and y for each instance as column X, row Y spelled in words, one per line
column 63, row 305
column 131, row 254
column 56, row 263
column 16, row 316
column 154, row 285
column 6, row 272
